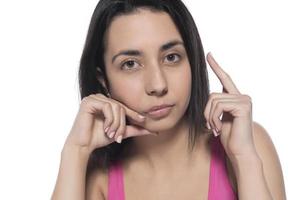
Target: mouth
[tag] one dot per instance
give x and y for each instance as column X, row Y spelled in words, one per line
column 158, row 112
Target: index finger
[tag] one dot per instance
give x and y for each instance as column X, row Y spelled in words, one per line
column 129, row 112
column 225, row 79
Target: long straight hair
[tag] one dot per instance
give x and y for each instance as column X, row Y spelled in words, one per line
column 92, row 57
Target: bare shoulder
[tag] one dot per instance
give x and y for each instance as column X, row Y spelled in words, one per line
column 271, row 162
column 96, row 184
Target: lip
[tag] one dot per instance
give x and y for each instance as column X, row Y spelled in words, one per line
column 159, row 111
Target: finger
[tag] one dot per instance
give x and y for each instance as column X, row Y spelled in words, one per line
column 221, row 108
column 113, row 125
column 116, row 121
column 132, row 114
column 214, row 120
column 208, row 107
column 224, row 78
column 122, row 127
column 109, row 118
column 129, row 112
column 100, row 106
column 107, row 112
column 212, row 96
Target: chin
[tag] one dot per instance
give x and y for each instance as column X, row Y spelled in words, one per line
column 164, row 124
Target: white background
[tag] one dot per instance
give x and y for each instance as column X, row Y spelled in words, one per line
column 256, row 42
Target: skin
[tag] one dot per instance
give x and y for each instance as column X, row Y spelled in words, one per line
column 228, row 114
column 153, row 77
column 163, row 160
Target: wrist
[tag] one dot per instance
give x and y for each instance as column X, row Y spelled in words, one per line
column 248, row 155
column 75, row 150
column 247, row 162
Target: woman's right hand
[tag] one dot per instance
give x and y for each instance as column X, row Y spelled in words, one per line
column 97, row 112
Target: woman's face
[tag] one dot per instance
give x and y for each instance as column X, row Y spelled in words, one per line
column 150, row 75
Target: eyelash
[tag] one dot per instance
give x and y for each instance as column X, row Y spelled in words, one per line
column 122, row 65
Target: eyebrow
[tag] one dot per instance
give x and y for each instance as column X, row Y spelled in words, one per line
column 133, row 52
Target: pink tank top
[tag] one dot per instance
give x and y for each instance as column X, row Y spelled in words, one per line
column 219, row 184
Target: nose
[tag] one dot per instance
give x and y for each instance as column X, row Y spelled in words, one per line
column 156, row 81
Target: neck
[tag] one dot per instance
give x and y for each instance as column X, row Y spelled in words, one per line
column 169, row 149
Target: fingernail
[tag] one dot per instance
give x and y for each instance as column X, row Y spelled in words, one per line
column 208, row 126
column 111, row 135
column 142, row 117
column 215, row 133
column 119, row 139
column 106, row 129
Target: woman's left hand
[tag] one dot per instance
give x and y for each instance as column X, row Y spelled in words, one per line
column 235, row 109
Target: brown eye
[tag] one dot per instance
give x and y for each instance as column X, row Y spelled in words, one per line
column 128, row 64
column 172, row 57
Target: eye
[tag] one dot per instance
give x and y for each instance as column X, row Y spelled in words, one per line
column 129, row 64
column 172, row 57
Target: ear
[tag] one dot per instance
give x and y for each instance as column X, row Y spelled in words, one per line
column 100, row 77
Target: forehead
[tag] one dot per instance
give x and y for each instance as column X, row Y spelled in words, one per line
column 140, row 30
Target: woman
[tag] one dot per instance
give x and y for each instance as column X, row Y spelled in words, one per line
column 144, row 126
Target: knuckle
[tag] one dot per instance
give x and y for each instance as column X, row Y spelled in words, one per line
column 103, row 106
column 86, row 98
column 248, row 101
column 92, row 95
column 85, row 101
column 106, row 105
column 214, row 102
column 99, row 95
column 88, row 103
column 118, row 108
column 122, row 110
column 211, row 95
column 109, row 120
column 115, row 123
column 115, row 106
column 247, row 97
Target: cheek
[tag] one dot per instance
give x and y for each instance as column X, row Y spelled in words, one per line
column 182, row 84
column 126, row 91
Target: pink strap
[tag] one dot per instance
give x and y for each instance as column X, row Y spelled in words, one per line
column 115, row 182
column 219, row 185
